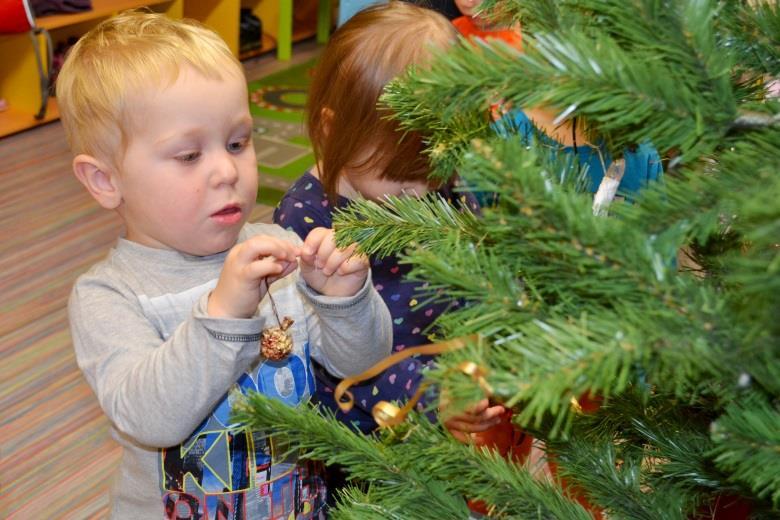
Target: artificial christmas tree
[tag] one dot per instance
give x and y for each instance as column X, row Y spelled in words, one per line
column 662, row 311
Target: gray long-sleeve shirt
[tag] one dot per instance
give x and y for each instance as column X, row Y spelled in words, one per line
column 165, row 373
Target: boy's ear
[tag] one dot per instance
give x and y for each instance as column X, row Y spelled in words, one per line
column 99, row 179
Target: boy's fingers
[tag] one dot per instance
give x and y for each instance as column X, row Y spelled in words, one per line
column 329, row 261
column 265, row 267
column 288, row 268
column 317, row 247
column 313, row 241
column 322, row 247
column 265, row 246
column 327, row 255
column 291, row 267
column 338, row 259
column 354, row 264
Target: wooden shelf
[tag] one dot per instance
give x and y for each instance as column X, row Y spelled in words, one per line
column 14, row 120
column 268, row 44
column 100, row 8
column 304, row 31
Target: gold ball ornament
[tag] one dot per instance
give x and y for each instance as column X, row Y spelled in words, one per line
column 276, row 342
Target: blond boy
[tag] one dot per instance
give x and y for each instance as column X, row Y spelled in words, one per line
column 166, row 328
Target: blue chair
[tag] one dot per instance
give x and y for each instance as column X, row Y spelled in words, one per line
column 348, row 8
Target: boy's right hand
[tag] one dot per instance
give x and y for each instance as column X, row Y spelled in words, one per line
column 240, row 287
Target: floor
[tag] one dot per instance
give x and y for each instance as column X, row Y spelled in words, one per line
column 56, row 457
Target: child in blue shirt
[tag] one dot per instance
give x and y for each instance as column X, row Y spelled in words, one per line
column 642, row 164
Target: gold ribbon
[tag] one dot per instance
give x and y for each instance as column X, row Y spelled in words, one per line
column 478, row 374
column 387, row 414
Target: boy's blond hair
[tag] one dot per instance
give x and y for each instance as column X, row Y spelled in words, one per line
column 111, row 65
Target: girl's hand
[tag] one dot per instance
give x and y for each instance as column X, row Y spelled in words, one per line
column 478, row 418
column 328, row 270
column 240, row 287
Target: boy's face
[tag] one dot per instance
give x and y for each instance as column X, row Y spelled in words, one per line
column 189, row 175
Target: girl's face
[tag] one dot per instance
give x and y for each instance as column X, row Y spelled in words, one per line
column 368, row 185
column 468, row 7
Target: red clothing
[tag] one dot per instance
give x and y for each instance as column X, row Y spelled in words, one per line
column 466, row 26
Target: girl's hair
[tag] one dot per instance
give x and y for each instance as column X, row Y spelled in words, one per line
column 118, row 62
column 346, row 127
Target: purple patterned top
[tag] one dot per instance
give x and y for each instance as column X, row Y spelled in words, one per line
column 306, row 206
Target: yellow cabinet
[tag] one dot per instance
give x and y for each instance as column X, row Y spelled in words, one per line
column 19, row 82
column 221, row 15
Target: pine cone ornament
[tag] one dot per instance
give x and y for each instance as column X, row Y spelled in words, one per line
column 275, row 342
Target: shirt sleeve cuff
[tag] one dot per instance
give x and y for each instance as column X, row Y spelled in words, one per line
column 336, row 305
column 231, row 330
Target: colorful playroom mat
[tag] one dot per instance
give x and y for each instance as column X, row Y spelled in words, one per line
column 283, row 150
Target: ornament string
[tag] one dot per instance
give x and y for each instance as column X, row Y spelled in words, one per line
column 271, row 298
column 387, row 414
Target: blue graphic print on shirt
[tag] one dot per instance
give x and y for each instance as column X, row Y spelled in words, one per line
column 226, row 471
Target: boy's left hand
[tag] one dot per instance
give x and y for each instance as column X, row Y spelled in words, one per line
column 329, row 270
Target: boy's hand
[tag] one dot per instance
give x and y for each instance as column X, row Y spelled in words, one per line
column 478, row 418
column 328, row 270
column 240, row 287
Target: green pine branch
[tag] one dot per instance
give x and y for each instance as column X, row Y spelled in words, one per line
column 661, row 74
column 524, row 271
column 539, row 365
column 612, row 88
column 535, row 16
column 616, row 480
column 747, row 446
column 384, row 229
column 566, row 304
column 753, row 29
column 645, row 455
column 408, row 471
